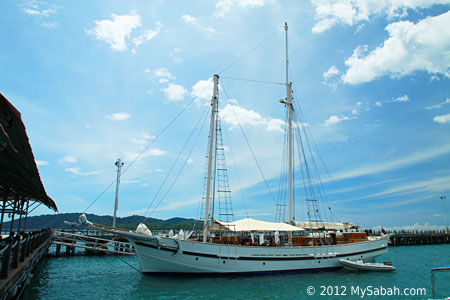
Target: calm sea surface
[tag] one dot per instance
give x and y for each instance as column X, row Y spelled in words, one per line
column 82, row 277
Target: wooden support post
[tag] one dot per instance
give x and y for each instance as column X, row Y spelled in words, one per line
column 6, row 257
column 3, row 210
column 15, row 251
column 33, row 241
column 12, row 218
column 73, row 248
column 20, row 208
column 23, row 246
column 26, row 216
column 58, row 249
column 27, row 245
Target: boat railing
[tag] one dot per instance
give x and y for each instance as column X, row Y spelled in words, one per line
column 433, row 279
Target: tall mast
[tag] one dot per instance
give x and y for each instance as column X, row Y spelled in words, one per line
column 290, row 109
column 445, row 214
column 119, row 165
column 214, row 102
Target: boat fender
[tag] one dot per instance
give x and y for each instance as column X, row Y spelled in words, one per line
column 180, row 235
column 82, row 219
column 143, row 229
column 189, row 235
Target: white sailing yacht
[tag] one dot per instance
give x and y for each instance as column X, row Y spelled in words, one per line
column 230, row 252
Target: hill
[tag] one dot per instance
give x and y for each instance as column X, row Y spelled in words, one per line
column 57, row 221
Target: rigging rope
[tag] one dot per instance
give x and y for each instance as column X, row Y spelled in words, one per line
column 202, row 116
column 251, row 150
column 307, row 132
column 251, row 80
column 237, row 174
column 178, row 175
column 146, row 148
column 308, row 135
column 248, row 52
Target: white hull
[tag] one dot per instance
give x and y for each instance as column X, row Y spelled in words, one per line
column 167, row 255
column 361, row 266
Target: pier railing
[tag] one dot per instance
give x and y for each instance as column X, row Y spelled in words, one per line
column 15, row 248
column 413, row 237
column 93, row 242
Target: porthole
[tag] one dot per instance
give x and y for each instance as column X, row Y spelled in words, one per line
column 264, row 263
column 196, row 258
column 224, row 261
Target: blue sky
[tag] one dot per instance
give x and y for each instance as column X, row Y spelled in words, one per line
column 96, row 81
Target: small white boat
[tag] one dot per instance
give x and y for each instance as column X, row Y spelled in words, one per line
column 360, row 265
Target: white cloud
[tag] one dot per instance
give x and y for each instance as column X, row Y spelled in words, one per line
column 120, row 116
column 189, row 19
column 129, row 181
column 410, row 47
column 379, row 104
column 189, row 161
column 431, row 186
column 330, row 78
column 115, row 31
column 146, row 36
column 131, row 156
column 156, row 152
column 416, row 227
column 447, row 101
column 333, row 120
column 35, row 8
column 41, row 163
column 235, row 115
column 192, row 20
column 224, row 6
column 162, row 74
column 203, row 90
column 43, row 13
column 403, row 98
column 76, row 171
column 174, row 92
column 141, row 138
column 352, row 115
column 174, row 55
column 444, row 119
column 332, row 71
column 406, row 160
column 68, row 159
column 350, row 12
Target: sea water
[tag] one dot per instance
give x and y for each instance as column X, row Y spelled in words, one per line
column 110, row 277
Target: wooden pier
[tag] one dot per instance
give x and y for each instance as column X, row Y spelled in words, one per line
column 410, row 238
column 19, row 256
column 92, row 242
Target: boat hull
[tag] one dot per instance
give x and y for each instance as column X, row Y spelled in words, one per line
column 356, row 266
column 167, row 255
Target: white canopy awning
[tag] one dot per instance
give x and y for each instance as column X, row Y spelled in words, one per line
column 321, row 225
column 249, row 224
